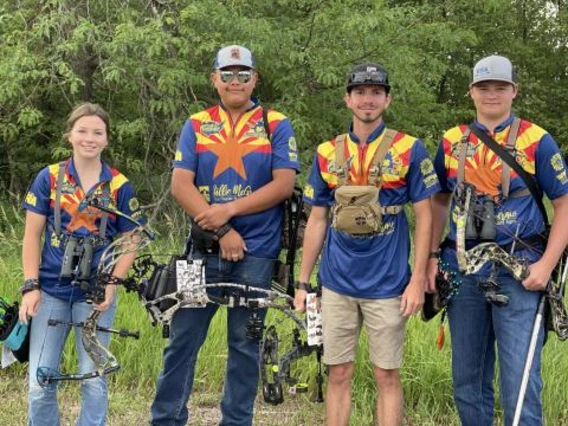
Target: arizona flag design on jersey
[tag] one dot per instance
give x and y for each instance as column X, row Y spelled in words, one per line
column 371, row 266
column 77, row 219
column 232, row 160
column 229, row 144
column 483, row 167
column 82, row 219
column 535, row 151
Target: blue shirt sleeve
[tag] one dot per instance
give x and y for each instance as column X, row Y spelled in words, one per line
column 284, row 147
column 317, row 191
column 186, row 157
column 551, row 168
column 440, row 167
column 38, row 196
column 128, row 204
column 421, row 177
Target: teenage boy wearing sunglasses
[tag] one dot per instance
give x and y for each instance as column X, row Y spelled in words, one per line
column 364, row 268
column 231, row 177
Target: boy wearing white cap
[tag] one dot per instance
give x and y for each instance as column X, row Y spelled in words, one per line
column 497, row 224
column 234, row 167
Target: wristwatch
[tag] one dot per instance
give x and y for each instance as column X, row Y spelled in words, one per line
column 30, row 284
column 222, row 231
column 434, row 255
column 300, row 285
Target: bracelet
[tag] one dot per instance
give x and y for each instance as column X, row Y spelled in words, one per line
column 434, row 255
column 300, row 285
column 222, row 231
column 30, row 284
column 114, row 280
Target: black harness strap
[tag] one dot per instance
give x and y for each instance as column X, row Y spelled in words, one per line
column 265, row 123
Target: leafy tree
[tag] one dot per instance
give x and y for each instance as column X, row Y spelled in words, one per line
column 148, row 64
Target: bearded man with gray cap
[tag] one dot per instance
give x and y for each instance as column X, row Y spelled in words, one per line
column 358, row 185
column 234, row 167
column 495, row 304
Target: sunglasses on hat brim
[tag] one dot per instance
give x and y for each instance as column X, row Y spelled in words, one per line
column 369, row 77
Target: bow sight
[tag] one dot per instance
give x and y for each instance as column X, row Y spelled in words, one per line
column 275, row 367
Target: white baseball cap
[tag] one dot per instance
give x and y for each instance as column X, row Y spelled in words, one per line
column 234, row 56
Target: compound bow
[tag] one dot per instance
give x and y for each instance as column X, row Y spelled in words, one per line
column 472, row 260
column 104, row 360
column 275, row 367
column 191, row 291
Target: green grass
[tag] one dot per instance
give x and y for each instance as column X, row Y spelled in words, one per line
column 426, row 372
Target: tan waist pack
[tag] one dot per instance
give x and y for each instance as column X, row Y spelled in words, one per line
column 357, row 210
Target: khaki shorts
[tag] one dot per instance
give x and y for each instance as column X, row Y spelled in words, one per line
column 342, row 317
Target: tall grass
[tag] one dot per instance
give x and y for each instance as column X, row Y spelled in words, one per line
column 426, row 372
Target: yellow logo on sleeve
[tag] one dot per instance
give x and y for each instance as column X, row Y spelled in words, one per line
column 309, row 191
column 31, row 199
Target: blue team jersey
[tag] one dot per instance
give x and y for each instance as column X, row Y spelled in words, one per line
column 536, row 152
column 76, row 220
column 371, row 267
column 232, row 160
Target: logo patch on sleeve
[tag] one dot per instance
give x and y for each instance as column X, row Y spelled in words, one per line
column 309, row 191
column 133, row 204
column 31, row 199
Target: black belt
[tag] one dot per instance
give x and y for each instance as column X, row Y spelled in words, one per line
column 525, row 243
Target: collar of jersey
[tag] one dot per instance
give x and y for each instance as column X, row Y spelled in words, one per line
column 106, row 174
column 372, row 137
column 255, row 104
column 499, row 128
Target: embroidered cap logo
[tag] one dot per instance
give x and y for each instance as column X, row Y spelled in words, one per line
column 236, row 53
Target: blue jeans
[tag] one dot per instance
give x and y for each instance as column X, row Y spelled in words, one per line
column 46, row 349
column 188, row 332
column 475, row 326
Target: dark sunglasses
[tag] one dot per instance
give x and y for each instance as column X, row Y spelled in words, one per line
column 373, row 77
column 243, row 76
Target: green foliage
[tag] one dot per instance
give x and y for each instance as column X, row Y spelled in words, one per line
column 148, row 64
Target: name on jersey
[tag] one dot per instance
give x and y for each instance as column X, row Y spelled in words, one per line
column 386, row 228
column 226, row 193
column 506, row 218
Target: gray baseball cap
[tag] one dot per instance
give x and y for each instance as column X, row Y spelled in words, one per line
column 234, row 56
column 496, row 68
